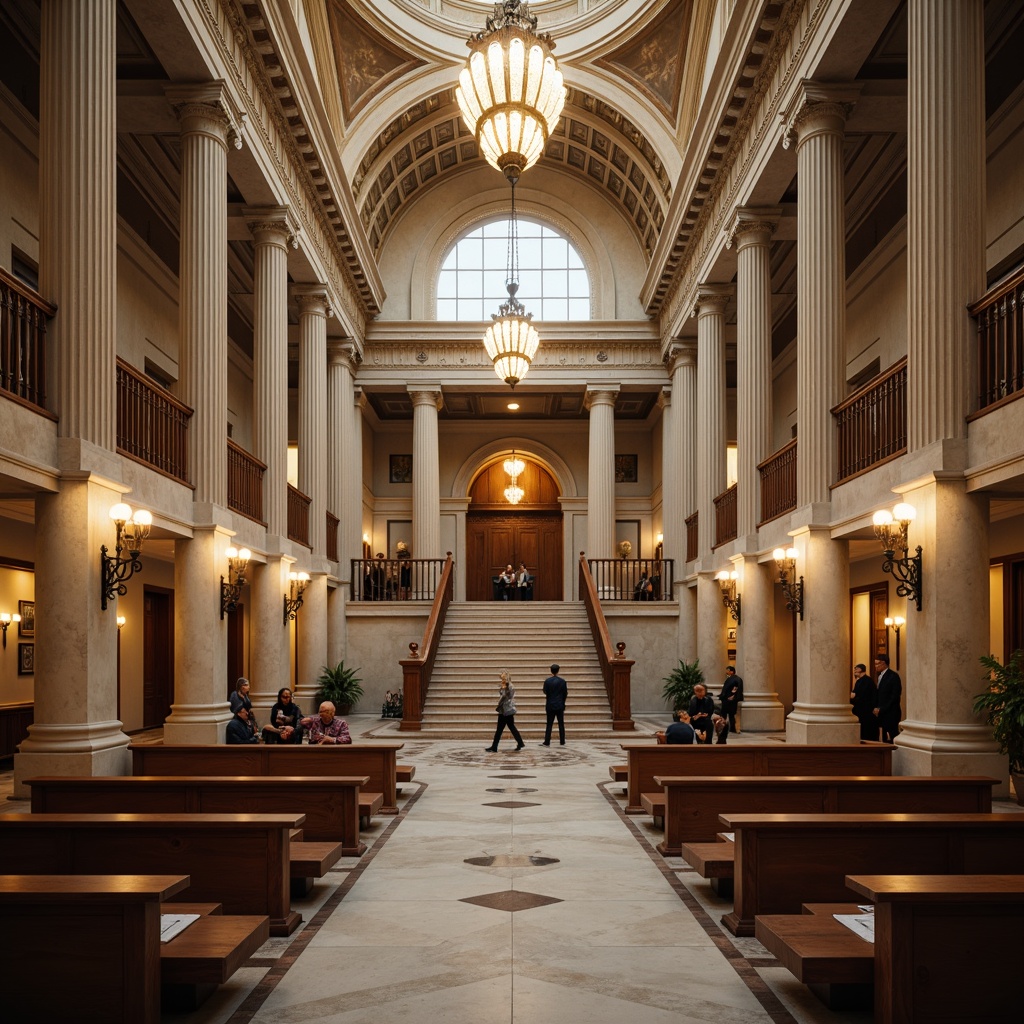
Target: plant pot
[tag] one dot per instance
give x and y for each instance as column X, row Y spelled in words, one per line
column 343, row 709
column 1018, row 786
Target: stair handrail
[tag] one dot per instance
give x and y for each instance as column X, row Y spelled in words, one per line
column 615, row 666
column 417, row 668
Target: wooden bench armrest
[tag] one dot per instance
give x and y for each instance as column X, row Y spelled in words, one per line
column 211, row 949
column 313, row 860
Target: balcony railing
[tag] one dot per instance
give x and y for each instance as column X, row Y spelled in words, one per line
column 691, row 537
column 1000, row 318
column 632, row 579
column 152, row 425
column 245, row 483
column 778, row 483
column 396, row 579
column 332, row 536
column 298, row 516
column 23, row 317
column 725, row 517
column 871, row 425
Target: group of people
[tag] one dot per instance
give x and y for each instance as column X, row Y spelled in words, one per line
column 556, row 690
column 287, row 724
column 515, row 584
column 877, row 706
column 704, row 722
column 381, row 583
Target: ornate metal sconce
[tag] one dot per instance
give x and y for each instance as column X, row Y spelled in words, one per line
column 731, row 600
column 293, row 602
column 115, row 570
column 793, row 590
column 6, row 618
column 891, row 531
column 896, row 623
column 231, row 588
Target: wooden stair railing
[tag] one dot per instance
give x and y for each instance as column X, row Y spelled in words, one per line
column 615, row 666
column 417, row 668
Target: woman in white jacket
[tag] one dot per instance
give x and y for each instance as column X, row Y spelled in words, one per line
column 506, row 713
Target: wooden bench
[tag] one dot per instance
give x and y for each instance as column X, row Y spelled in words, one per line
column 928, row 929
column 377, row 761
column 239, row 860
column 654, row 805
column 619, row 772
column 785, row 860
column 369, row 805
column 405, row 772
column 332, row 805
column 691, row 805
column 645, row 761
column 713, row 861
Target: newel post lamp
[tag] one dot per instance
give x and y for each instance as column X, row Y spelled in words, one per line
column 891, row 529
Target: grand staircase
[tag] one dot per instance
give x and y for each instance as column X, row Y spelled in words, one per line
column 525, row 637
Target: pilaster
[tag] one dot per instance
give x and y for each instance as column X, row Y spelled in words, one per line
column 762, row 709
column 711, row 626
column 426, row 485
column 600, row 401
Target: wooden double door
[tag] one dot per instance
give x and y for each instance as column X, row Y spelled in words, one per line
column 493, row 539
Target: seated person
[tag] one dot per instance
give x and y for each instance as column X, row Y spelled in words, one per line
column 524, row 584
column 240, row 730
column 326, row 727
column 644, row 589
column 702, row 707
column 284, row 720
column 721, row 727
column 507, row 582
column 680, row 731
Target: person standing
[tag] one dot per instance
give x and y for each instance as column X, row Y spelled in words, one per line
column 862, row 697
column 887, row 699
column 506, row 713
column 732, row 697
column 507, row 583
column 555, row 692
column 701, row 709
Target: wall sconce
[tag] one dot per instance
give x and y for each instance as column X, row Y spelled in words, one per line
column 891, row 531
column 659, row 546
column 293, row 602
column 121, row 620
column 731, row 600
column 231, row 588
column 793, row 591
column 896, row 624
column 115, row 571
column 6, row 618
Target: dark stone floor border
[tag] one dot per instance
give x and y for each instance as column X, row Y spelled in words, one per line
column 743, row 966
column 253, row 1002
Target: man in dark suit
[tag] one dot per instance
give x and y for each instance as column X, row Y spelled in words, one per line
column 887, row 700
column 862, row 697
column 555, row 692
column 701, row 709
column 732, row 696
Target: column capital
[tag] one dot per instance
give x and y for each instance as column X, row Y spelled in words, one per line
column 680, row 353
column 313, row 299
column 601, row 394
column 664, row 399
column 343, row 352
column 711, row 299
column 272, row 225
column 816, row 107
column 426, row 394
column 204, row 107
column 752, row 225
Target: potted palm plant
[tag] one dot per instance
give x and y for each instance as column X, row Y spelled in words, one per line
column 680, row 683
column 1003, row 706
column 340, row 686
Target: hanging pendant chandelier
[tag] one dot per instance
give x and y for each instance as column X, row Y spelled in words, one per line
column 511, row 92
column 512, row 341
column 514, row 493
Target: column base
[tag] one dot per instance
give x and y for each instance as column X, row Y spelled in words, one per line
column 203, row 724
column 99, row 748
column 822, row 723
column 762, row 714
column 944, row 748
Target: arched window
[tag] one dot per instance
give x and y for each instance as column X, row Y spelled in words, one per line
column 553, row 282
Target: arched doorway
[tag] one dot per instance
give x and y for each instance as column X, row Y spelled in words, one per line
column 498, row 533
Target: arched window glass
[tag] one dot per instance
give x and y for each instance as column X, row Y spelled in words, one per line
column 553, row 282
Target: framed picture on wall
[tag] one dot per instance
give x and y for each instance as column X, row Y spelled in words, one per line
column 400, row 469
column 731, row 635
column 625, row 469
column 27, row 611
column 26, row 659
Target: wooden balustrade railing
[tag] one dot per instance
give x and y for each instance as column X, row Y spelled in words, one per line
column 615, row 666
column 692, row 536
column 725, row 517
column 417, row 668
column 152, row 425
column 395, row 579
column 245, row 483
column 871, row 425
column 332, row 536
column 632, row 579
column 23, row 318
column 778, row 483
column 1000, row 317
column 298, row 516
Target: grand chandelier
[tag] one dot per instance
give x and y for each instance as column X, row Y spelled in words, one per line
column 514, row 493
column 511, row 92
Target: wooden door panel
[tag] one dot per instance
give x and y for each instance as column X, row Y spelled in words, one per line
column 157, row 657
column 495, row 539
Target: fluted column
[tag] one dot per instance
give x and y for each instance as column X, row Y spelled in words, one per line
column 314, row 308
column 711, row 447
column 945, row 271
column 271, row 233
column 75, row 731
column 755, row 662
column 684, row 422
column 711, row 625
column 751, row 234
column 600, row 400
column 426, row 485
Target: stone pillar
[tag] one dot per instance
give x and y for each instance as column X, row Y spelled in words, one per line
column 945, row 270
column 816, row 121
column 751, row 233
column 426, row 484
column 270, row 651
column 311, row 638
column 712, row 620
column 762, row 709
column 684, row 421
column 75, row 730
column 710, row 426
column 600, row 400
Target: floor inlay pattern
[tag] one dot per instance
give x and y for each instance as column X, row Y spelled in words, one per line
column 511, row 861
column 512, row 900
column 510, row 804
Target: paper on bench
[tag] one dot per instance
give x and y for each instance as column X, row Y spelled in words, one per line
column 172, row 925
column 861, row 924
column 731, row 836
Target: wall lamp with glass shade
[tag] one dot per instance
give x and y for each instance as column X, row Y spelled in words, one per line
column 6, row 618
column 293, row 599
column 891, row 529
column 731, row 600
column 231, row 588
column 896, row 623
column 117, row 569
column 792, row 589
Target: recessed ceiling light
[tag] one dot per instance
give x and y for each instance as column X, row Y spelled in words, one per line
column 512, row 406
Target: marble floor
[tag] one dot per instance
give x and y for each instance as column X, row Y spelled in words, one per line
column 511, row 888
